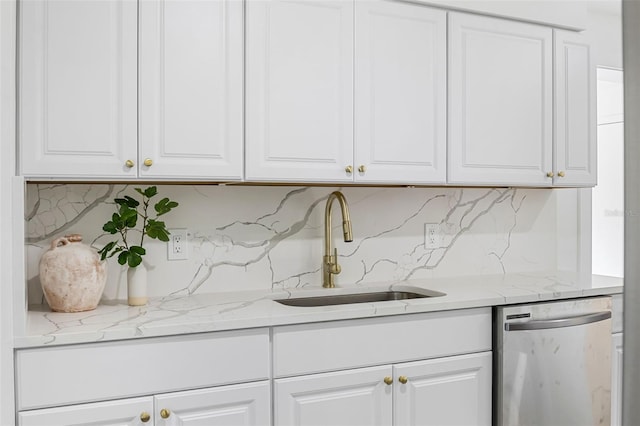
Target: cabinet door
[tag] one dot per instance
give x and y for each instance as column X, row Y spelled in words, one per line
column 77, row 88
column 616, row 379
column 356, row 397
column 444, row 391
column 129, row 412
column 575, row 109
column 400, row 93
column 191, row 89
column 299, row 82
column 500, row 102
column 237, row 405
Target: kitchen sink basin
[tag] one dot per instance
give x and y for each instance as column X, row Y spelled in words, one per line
column 345, row 299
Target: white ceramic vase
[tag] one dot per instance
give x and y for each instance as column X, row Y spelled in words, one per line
column 72, row 275
column 137, row 285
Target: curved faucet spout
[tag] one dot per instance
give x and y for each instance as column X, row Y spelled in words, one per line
column 330, row 266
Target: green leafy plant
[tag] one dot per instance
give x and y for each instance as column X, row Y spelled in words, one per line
column 125, row 219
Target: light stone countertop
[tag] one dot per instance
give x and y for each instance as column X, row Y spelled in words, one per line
column 180, row 314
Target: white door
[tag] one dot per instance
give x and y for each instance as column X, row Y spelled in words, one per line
column 500, row 102
column 299, row 83
column 358, row 397
column 124, row 412
column 77, row 88
column 616, row 379
column 575, row 109
column 444, row 391
column 234, row 405
column 190, row 83
column 400, row 93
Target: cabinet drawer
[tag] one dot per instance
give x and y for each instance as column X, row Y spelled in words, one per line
column 81, row 373
column 311, row 348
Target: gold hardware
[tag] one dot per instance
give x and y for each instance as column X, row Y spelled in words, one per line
column 129, row 163
column 348, row 169
column 164, row 413
column 561, row 173
column 330, row 265
column 145, row 417
column 362, row 168
column 403, row 379
column 388, row 380
column 148, row 162
column 549, row 174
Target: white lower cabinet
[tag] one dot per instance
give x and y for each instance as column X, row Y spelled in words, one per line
column 443, row 391
column 235, row 405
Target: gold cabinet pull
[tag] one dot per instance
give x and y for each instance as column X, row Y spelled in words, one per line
column 549, row 174
column 348, row 169
column 388, row 380
column 561, row 173
column 148, row 162
column 164, row 413
column 403, row 379
column 129, row 163
column 145, row 417
column 362, row 168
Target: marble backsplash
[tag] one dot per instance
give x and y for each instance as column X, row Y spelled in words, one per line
column 263, row 237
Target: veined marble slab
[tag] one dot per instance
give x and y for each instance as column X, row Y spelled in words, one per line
column 183, row 314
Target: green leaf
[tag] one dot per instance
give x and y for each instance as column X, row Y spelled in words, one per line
column 138, row 250
column 134, row 259
column 106, row 249
column 127, row 201
column 123, row 257
column 164, row 206
column 110, row 227
column 148, row 192
column 156, row 229
column 128, row 216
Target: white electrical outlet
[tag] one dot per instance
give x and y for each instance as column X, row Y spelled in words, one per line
column 432, row 235
column 177, row 246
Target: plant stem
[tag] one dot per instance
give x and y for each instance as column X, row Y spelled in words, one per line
column 145, row 204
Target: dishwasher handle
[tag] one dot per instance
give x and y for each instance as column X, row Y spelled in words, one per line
column 558, row 323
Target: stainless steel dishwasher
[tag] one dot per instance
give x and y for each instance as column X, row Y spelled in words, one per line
column 553, row 363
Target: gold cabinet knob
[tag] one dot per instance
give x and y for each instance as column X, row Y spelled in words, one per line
column 549, row 174
column 388, row 380
column 403, row 379
column 348, row 169
column 129, row 163
column 148, row 162
column 164, row 413
column 561, row 173
column 362, row 168
column 145, row 417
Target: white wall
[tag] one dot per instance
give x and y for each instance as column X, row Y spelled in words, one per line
column 7, row 138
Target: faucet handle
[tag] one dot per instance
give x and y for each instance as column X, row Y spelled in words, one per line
column 335, row 268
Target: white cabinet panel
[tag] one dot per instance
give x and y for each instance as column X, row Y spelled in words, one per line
column 77, row 90
column 352, row 397
column 616, row 379
column 400, row 93
column 125, row 412
column 191, row 76
column 99, row 371
column 500, row 101
column 444, row 391
column 575, row 109
column 299, row 82
column 237, row 405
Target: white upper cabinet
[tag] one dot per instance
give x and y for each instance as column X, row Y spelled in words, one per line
column 400, row 93
column 77, row 88
column 191, row 66
column 96, row 101
column 500, row 102
column 575, row 109
column 299, row 83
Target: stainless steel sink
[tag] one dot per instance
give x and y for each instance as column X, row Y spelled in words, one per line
column 344, row 299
